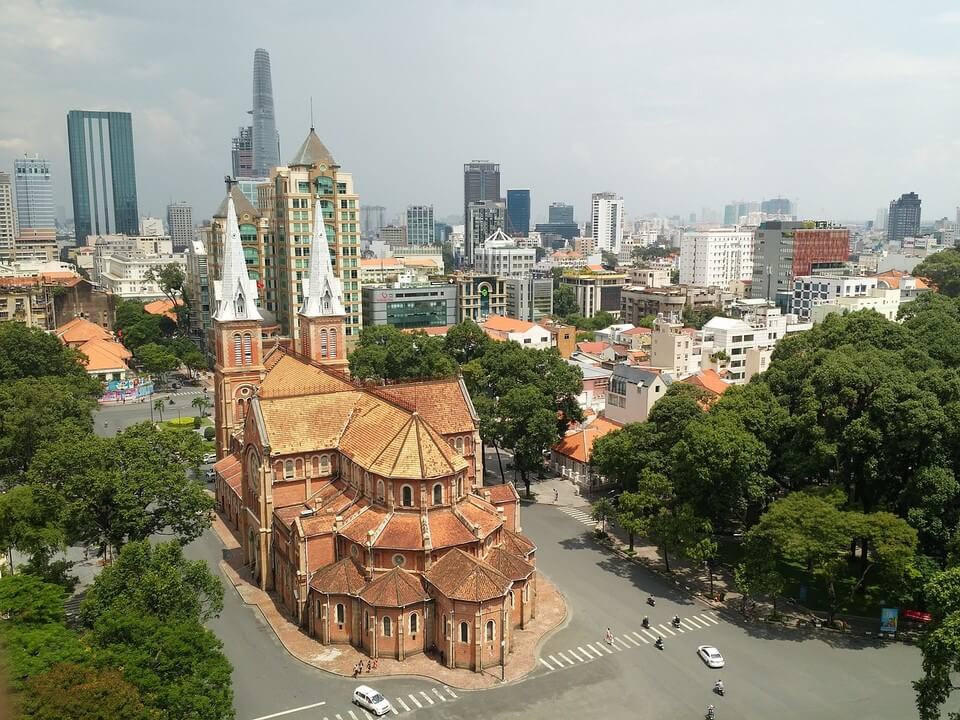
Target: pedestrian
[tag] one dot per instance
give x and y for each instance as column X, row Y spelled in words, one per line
column 376, row 662
column 369, row 665
column 355, row 670
column 556, row 496
column 609, row 637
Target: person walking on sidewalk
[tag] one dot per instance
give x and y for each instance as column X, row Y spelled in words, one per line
column 556, row 496
column 609, row 637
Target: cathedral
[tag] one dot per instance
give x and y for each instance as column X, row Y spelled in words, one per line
column 360, row 507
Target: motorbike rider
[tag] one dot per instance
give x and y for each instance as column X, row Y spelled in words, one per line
column 659, row 642
column 646, row 621
column 676, row 621
column 718, row 686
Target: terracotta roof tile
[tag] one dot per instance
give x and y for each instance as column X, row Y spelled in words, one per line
column 357, row 527
column 312, row 422
column 103, row 354
column 502, row 493
column 162, row 307
column 229, row 468
column 395, row 588
column 513, row 566
column 447, row 530
column 289, row 376
column 481, row 513
column 708, row 380
column 517, row 543
column 318, row 524
column 498, row 323
column 440, row 402
column 591, row 347
column 341, row 578
column 402, row 532
column 80, row 330
column 578, row 444
column 459, row 576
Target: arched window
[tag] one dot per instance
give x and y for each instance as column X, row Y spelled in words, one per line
column 299, row 467
column 459, row 487
column 464, row 632
column 333, row 343
column 438, row 494
column 460, row 445
column 490, row 630
column 341, row 614
column 247, row 349
column 406, row 496
column 513, row 599
column 325, row 464
column 387, row 626
column 414, row 623
column 288, row 470
column 237, row 350
column 380, row 490
column 323, row 343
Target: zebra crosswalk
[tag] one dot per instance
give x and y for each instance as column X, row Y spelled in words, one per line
column 579, row 515
column 587, row 652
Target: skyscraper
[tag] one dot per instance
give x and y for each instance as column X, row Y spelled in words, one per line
column 31, row 178
column 903, row 220
column 266, row 142
column 103, row 176
column 241, row 153
column 784, row 249
column 481, row 183
column 777, row 206
column 372, row 218
column 8, row 213
column 180, row 225
column 483, row 220
column 560, row 213
column 420, row 225
column 607, row 221
column 518, row 212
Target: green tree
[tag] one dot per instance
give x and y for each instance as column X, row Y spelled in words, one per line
column 69, row 690
column 759, row 574
column 157, row 360
column 201, row 403
column 701, row 547
column 682, row 404
column 943, row 270
column 699, row 317
column 634, row 511
column 29, row 525
column 158, row 407
column 564, row 301
column 156, row 580
column 940, row 645
column 387, row 353
column 194, row 361
column 602, row 511
column 649, row 252
column 27, row 352
column 449, row 261
column 125, row 488
column 529, row 428
column 676, row 531
column 170, row 278
column 466, row 341
column 622, row 456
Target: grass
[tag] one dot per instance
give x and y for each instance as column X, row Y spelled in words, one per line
column 180, row 423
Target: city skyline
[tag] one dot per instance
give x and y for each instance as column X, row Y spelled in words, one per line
column 188, row 104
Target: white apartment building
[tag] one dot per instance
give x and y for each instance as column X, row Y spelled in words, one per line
column 671, row 349
column 499, row 255
column 812, row 290
column 651, row 277
column 151, row 226
column 607, row 221
column 885, row 301
column 740, row 346
column 124, row 274
column 715, row 258
column 528, row 334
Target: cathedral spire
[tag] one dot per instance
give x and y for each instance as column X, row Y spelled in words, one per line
column 322, row 290
column 236, row 293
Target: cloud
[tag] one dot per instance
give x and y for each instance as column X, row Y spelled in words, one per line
column 875, row 66
column 950, row 17
column 16, row 144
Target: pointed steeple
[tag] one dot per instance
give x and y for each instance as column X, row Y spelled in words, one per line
column 322, row 290
column 236, row 293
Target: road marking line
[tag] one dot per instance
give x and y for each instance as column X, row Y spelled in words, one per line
column 426, row 697
column 353, row 716
column 565, row 658
column 640, row 637
column 579, row 659
column 406, row 708
column 667, row 629
column 393, row 709
column 689, row 624
column 292, row 710
column 415, row 701
column 549, row 666
column 617, row 647
column 707, row 617
column 652, row 636
column 339, row 717
column 632, row 640
column 557, row 662
column 581, row 649
column 437, row 693
column 367, row 715
column 606, row 648
column 452, row 693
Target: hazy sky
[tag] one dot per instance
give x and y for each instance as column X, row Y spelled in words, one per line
column 677, row 106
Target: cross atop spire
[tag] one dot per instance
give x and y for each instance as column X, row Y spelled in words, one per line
column 236, row 293
column 322, row 290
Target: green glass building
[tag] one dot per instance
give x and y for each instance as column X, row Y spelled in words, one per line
column 102, row 173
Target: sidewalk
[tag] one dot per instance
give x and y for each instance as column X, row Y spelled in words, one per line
column 342, row 659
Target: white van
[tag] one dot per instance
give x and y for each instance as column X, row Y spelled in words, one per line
column 370, row 699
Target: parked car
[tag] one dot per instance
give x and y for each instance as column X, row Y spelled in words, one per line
column 209, row 457
column 370, row 699
column 210, row 474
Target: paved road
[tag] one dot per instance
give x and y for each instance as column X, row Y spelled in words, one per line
column 770, row 673
column 120, row 416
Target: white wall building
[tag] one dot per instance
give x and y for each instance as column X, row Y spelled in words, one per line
column 124, row 274
column 885, row 301
column 812, row 290
column 607, row 221
column 716, row 257
column 506, row 262
column 521, row 332
column 151, row 226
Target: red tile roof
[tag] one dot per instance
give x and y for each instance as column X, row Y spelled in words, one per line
column 709, row 380
column 503, row 493
column 592, row 347
column 517, row 543
column 396, row 588
column 459, row 576
column 402, row 532
column 447, row 530
column 80, row 330
column 229, row 468
column 513, row 566
column 341, row 578
column 578, row 444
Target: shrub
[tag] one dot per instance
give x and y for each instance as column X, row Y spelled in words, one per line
column 209, row 433
column 196, row 422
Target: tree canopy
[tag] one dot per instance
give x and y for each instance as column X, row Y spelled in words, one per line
column 386, row 353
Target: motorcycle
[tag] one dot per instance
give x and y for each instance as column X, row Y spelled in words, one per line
column 718, row 689
column 646, row 623
column 651, row 602
column 658, row 644
column 711, row 713
column 676, row 622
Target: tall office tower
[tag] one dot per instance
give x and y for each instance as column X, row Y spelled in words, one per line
column 560, row 213
column 34, row 191
column 716, row 257
column 777, row 206
column 8, row 213
column 518, row 212
column 784, row 249
column 484, row 218
column 266, row 142
column 881, row 222
column 420, row 225
column 730, row 214
column 241, row 153
column 903, row 220
column 372, row 218
column 103, row 176
column 606, row 226
column 180, row 225
column 481, row 183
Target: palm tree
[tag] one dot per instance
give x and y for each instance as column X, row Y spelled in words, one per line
column 201, row 403
column 603, row 510
column 158, row 406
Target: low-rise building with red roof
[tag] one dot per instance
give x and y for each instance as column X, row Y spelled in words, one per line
column 570, row 458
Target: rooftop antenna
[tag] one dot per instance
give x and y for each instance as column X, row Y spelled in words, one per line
column 311, row 112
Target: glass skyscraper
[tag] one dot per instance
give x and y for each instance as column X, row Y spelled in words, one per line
column 265, row 141
column 31, row 178
column 420, row 225
column 518, row 212
column 102, row 173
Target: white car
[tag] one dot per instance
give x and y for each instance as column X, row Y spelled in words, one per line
column 370, row 699
column 710, row 655
column 209, row 458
